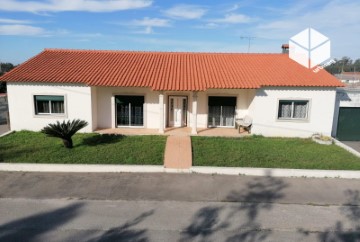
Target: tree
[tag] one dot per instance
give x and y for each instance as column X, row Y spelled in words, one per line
column 64, row 130
column 4, row 67
column 345, row 64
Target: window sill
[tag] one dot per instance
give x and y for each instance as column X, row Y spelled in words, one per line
column 50, row 116
column 293, row 120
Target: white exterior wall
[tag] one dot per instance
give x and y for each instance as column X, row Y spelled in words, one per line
column 106, row 106
column 264, row 111
column 243, row 100
column 22, row 110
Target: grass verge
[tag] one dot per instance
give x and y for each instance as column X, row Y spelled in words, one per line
column 35, row 147
column 258, row 151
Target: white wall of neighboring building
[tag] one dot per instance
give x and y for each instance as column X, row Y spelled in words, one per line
column 22, row 110
column 345, row 97
column 264, row 110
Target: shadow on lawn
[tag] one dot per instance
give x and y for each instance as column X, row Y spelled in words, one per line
column 5, row 155
column 33, row 227
column 259, row 195
column 338, row 232
column 102, row 139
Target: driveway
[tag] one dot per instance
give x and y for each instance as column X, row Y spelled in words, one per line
column 176, row 207
column 353, row 144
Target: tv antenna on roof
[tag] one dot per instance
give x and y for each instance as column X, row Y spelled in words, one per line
column 249, row 39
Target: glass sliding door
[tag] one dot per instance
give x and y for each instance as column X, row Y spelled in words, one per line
column 129, row 110
column 221, row 111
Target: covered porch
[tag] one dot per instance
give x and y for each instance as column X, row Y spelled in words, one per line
column 141, row 111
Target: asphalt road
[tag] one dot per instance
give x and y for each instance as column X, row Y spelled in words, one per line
column 176, row 207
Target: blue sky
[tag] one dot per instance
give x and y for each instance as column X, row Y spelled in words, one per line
column 27, row 27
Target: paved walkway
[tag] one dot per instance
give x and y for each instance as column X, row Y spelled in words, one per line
column 178, row 153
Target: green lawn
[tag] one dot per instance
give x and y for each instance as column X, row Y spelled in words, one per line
column 258, row 151
column 35, row 147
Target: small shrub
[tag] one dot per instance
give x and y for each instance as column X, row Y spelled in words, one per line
column 64, row 130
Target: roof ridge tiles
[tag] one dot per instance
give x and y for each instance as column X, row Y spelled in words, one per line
column 156, row 52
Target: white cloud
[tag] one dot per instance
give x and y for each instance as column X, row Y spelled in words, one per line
column 188, row 45
column 207, row 26
column 185, row 11
column 328, row 18
column 233, row 8
column 152, row 22
column 149, row 23
column 72, row 5
column 13, row 21
column 233, row 18
column 19, row 29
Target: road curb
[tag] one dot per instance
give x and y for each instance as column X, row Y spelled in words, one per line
column 275, row 172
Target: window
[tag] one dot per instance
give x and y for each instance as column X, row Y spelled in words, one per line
column 45, row 104
column 293, row 109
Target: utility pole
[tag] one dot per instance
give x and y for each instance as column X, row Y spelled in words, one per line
column 249, row 39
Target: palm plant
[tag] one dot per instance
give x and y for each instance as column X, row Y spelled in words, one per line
column 64, row 130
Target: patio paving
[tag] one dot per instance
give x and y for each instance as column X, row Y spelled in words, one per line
column 183, row 131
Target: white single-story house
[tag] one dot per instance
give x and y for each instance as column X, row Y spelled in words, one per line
column 156, row 90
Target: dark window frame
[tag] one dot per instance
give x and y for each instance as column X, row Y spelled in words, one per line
column 51, row 100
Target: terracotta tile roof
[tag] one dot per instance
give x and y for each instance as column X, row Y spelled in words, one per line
column 176, row 71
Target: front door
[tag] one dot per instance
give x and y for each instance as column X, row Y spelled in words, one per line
column 177, row 111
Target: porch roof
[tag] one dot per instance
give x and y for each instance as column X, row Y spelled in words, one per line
column 173, row 71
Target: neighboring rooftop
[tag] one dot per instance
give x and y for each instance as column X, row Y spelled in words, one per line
column 175, row 71
column 349, row 77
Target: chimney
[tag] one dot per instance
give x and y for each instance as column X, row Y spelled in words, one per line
column 285, row 48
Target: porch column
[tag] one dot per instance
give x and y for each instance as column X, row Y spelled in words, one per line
column 194, row 114
column 161, row 113
column 113, row 112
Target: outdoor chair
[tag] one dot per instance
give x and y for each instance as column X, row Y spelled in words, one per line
column 245, row 123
